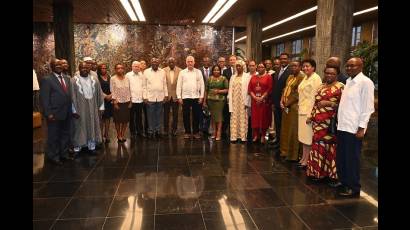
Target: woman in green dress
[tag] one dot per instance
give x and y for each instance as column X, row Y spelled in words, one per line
column 215, row 96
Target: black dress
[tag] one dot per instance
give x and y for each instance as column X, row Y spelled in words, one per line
column 105, row 86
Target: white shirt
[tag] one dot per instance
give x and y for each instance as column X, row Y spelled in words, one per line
column 35, row 81
column 136, row 86
column 59, row 80
column 356, row 104
column 155, row 85
column 282, row 69
column 190, row 84
column 207, row 72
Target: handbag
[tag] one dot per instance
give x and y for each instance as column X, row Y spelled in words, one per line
column 333, row 124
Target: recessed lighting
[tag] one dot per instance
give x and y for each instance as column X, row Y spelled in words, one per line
column 287, row 34
column 129, row 10
column 240, row 39
column 290, row 18
column 223, row 10
column 213, row 11
column 367, row 10
column 137, row 7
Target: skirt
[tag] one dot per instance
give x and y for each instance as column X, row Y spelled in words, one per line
column 122, row 115
column 305, row 132
column 216, row 108
column 108, row 107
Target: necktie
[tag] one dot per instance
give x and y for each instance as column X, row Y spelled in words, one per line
column 281, row 72
column 62, row 83
column 206, row 73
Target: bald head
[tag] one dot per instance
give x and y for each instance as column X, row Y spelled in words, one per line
column 171, row 62
column 56, row 66
column 354, row 66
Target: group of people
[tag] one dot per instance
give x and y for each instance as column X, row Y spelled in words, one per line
column 284, row 99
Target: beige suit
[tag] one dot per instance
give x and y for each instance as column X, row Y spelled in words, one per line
column 172, row 87
column 172, row 95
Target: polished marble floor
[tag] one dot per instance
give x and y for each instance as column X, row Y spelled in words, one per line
column 194, row 184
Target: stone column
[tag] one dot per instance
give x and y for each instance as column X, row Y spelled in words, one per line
column 64, row 31
column 254, row 36
column 334, row 20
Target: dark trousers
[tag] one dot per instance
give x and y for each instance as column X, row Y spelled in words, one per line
column 249, row 135
column 136, row 118
column 154, row 110
column 227, row 120
column 278, row 122
column 58, row 138
column 168, row 106
column 348, row 160
column 186, row 111
column 144, row 109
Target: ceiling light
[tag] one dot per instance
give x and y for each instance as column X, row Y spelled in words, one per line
column 129, row 10
column 293, row 32
column 223, row 10
column 298, row 15
column 290, row 18
column 137, row 7
column 240, row 39
column 213, row 11
column 365, row 11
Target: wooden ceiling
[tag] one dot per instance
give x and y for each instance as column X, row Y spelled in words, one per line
column 183, row 12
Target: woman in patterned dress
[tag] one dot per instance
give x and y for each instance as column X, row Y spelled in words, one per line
column 239, row 102
column 260, row 87
column 321, row 162
column 215, row 96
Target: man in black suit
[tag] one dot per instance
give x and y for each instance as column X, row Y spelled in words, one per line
column 228, row 72
column 56, row 101
column 279, row 82
column 206, row 73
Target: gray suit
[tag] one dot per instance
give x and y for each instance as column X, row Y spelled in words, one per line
column 55, row 101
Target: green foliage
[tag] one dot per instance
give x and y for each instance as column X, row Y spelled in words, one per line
column 369, row 53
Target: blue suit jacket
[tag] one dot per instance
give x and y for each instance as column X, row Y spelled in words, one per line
column 53, row 98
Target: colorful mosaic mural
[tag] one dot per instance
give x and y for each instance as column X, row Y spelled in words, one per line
column 124, row 43
column 43, row 47
column 113, row 43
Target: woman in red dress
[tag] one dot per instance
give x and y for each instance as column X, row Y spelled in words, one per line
column 322, row 156
column 260, row 87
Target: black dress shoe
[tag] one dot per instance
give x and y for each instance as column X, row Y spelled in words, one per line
column 300, row 166
column 348, row 193
column 334, row 184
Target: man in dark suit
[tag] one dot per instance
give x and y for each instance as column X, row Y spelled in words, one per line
column 279, row 82
column 228, row 72
column 56, row 101
column 206, row 73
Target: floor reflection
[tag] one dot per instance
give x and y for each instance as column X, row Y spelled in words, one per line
column 194, row 184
